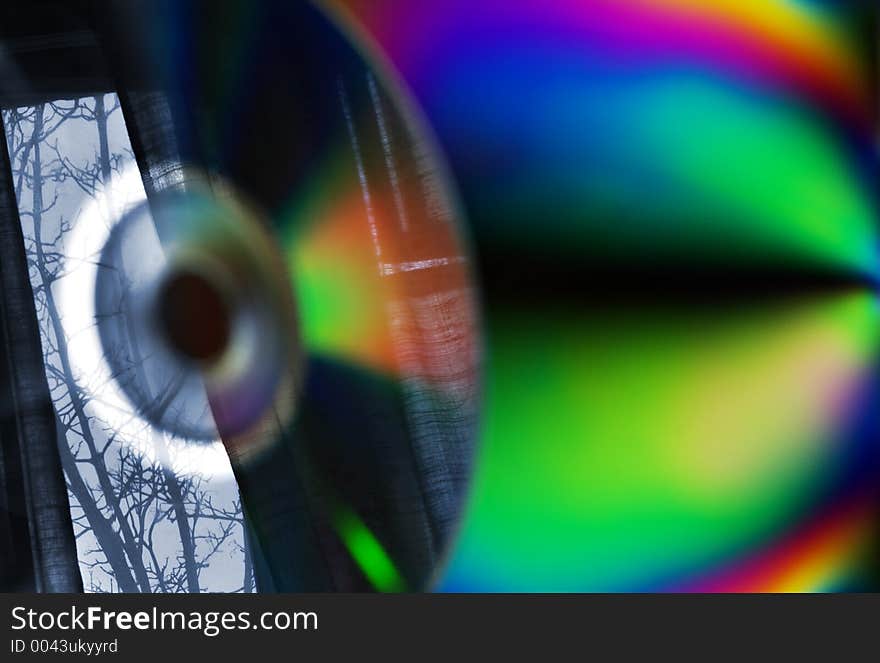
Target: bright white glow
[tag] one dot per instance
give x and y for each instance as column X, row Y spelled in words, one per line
column 75, row 299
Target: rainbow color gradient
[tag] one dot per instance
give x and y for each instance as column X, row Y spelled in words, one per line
column 667, row 446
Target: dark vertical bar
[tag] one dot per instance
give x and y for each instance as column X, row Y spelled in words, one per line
column 16, row 561
column 34, row 481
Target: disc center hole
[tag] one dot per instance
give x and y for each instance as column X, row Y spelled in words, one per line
column 194, row 316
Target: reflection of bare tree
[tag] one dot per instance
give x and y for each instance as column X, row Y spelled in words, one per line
column 127, row 496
